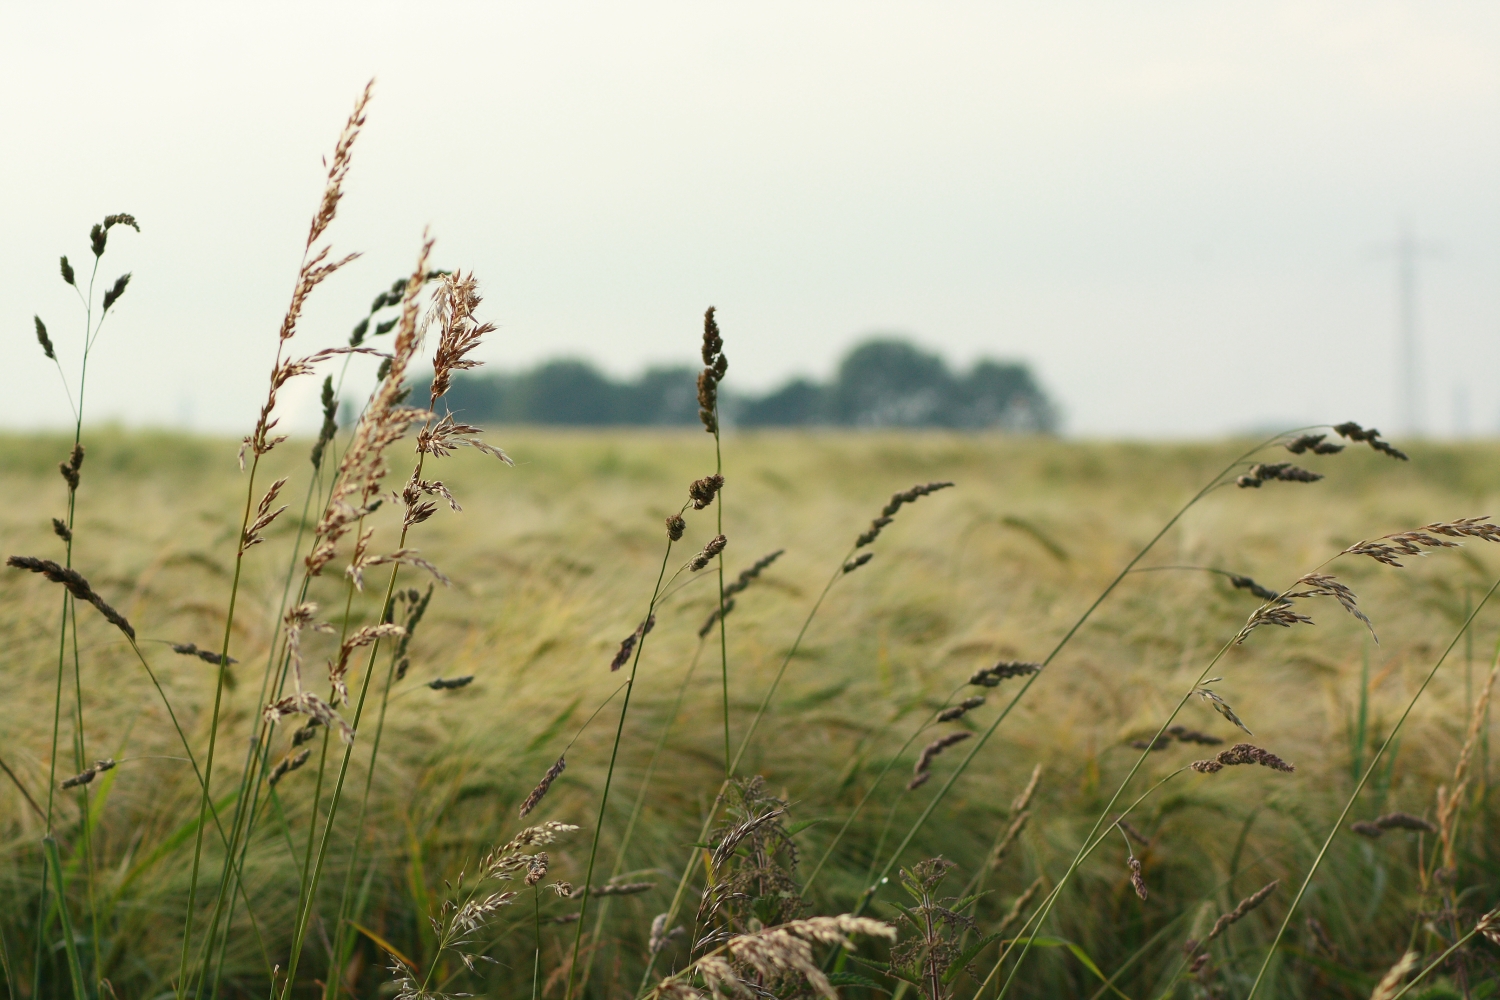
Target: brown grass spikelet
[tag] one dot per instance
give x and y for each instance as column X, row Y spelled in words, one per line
column 1131, row 830
column 1265, row 472
column 702, row 491
column 454, row 307
column 42, row 338
column 713, row 548
column 1242, row 753
column 447, row 435
column 1390, row 983
column 69, row 469
column 992, row 676
column 1349, row 429
column 264, row 515
column 858, row 561
column 1245, row 583
column 627, row 645
column 1185, row 735
column 77, row 586
column 206, row 655
column 450, row 683
column 66, row 270
column 1325, row 585
column 776, row 953
column 540, row 791
column 961, row 709
column 715, row 365
column 61, row 530
column 364, row 636
column 89, row 774
column 675, row 527
column 1405, row 821
column 1137, row 880
column 287, row 765
column 1387, row 548
column 713, row 617
column 1313, row 443
column 897, row 501
column 922, row 770
column 1159, row 743
column 538, row 869
column 307, row 703
column 1245, row 905
column 115, row 291
column 1367, row 829
column 1272, row 613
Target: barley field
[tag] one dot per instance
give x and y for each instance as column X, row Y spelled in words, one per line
column 552, row 564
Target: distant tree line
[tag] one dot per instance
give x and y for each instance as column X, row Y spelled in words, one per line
column 880, row 383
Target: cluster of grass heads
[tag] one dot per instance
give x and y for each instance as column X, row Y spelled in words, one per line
column 797, row 793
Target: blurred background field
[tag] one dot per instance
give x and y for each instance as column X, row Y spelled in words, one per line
column 552, row 564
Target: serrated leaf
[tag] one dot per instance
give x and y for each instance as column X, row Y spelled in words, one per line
column 968, row 956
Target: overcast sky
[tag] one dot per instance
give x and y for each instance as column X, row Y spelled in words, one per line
column 1179, row 213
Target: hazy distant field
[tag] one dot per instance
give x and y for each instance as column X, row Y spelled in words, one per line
column 552, row 564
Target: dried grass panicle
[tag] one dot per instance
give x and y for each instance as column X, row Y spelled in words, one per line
column 992, row 676
column 364, row 636
column 1265, row 472
column 1159, row 743
column 1237, row 914
column 1489, row 926
column 1349, row 429
column 61, row 530
column 675, row 527
column 1325, row 585
column 362, row 561
column 858, row 561
column 922, row 770
column 69, row 469
column 777, row 953
column 450, row 683
column 454, row 307
column 1387, row 548
column 737, row 586
column 1278, row 612
column 1241, row 753
column 42, row 338
column 961, row 709
column 898, row 500
column 307, row 703
column 715, row 364
column 1186, row 735
column 1448, row 803
column 206, row 655
column 447, row 435
column 1245, row 583
column 264, row 515
column 77, row 586
column 382, row 423
column 713, row 548
column 627, row 645
column 1390, row 983
column 713, row 618
column 540, row 791
column 538, row 869
column 532, row 836
column 702, row 491
column 1313, row 443
column 1137, row 880
column 89, row 774
column 288, row 764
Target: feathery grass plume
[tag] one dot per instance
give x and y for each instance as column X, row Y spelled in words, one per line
column 287, row 765
column 1390, row 983
column 961, row 709
column 362, row 560
column 118, row 289
column 1277, row 612
column 1265, row 472
column 453, row 307
column 1186, row 735
column 540, row 791
column 1137, row 880
column 1349, row 429
column 714, row 547
column 1386, row 548
column 702, row 491
column 84, row 777
column 858, row 561
column 330, row 422
column 1237, row 914
column 206, row 655
column 69, row 469
column 1325, row 585
column 1241, row 753
column 627, row 645
column 307, row 703
column 264, row 515
column 67, row 271
column 77, row 586
column 779, row 954
column 61, row 530
column 992, row 676
column 888, row 512
column 43, row 339
column 450, row 684
column 1313, row 443
column 383, row 422
column 714, row 367
column 675, row 527
column 922, row 770
column 364, row 636
column 1245, row 583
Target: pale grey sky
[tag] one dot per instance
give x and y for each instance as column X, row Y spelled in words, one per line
column 1174, row 211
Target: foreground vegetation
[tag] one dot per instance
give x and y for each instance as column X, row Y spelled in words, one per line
column 678, row 715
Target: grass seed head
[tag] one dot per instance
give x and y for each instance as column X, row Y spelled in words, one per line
column 1137, row 880
column 540, row 791
column 858, row 561
column 88, row 775
column 42, row 338
column 713, row 548
column 74, row 581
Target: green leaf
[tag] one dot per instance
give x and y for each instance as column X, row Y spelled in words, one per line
column 801, row 825
column 850, row 979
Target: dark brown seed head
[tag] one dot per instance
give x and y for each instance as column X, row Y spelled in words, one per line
column 450, row 684
column 1313, row 443
column 675, row 527
column 961, row 709
column 1245, row 583
column 67, row 270
column 1367, row 829
column 714, row 547
column 84, row 777
column 61, row 530
column 924, row 761
column 1354, row 432
column 992, row 676
column 712, row 342
column 76, row 584
column 207, row 656
column 751, row 572
column 714, row 615
column 538, row 869
column 1242, row 753
column 702, row 491
column 541, row 789
column 1159, row 743
column 1405, row 821
column 1187, row 735
column 43, row 339
column 287, row 764
column 858, row 561
column 97, row 240
column 1137, row 881
column 1237, row 914
column 622, row 656
column 306, row 733
column 113, row 295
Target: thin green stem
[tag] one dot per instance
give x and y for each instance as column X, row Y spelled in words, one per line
column 1348, row 805
column 723, row 633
